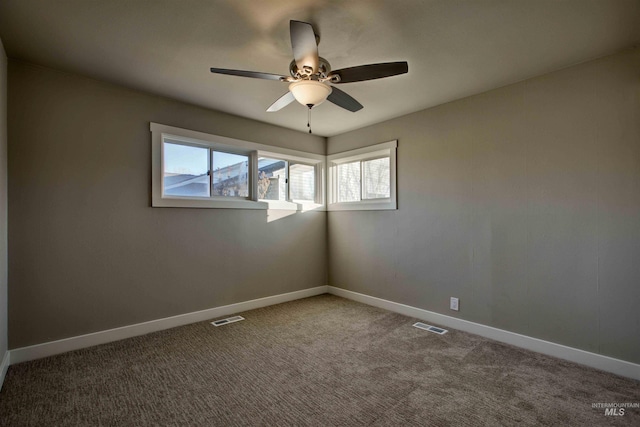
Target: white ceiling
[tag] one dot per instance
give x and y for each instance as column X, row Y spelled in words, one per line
column 454, row 48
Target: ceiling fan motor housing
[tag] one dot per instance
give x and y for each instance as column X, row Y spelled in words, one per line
column 324, row 68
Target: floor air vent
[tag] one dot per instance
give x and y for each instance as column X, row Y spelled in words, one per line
column 227, row 320
column 430, row 328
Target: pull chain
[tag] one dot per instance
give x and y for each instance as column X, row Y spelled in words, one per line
column 309, row 117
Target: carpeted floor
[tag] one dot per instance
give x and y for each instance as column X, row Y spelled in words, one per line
column 321, row 361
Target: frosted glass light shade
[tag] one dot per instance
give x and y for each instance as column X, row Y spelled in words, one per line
column 309, row 92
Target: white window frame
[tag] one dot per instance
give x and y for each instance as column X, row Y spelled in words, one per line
column 230, row 145
column 385, row 149
column 301, row 205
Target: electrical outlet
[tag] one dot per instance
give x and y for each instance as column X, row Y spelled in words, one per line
column 453, row 305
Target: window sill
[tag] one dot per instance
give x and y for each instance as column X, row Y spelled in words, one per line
column 192, row 202
column 292, row 206
column 195, row 202
column 365, row 205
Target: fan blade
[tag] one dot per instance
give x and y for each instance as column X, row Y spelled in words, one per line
column 370, row 72
column 344, row 100
column 304, row 46
column 253, row 74
column 281, row 102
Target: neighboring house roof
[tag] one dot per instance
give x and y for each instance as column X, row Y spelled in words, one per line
column 171, row 181
column 197, row 185
column 186, row 185
column 270, row 165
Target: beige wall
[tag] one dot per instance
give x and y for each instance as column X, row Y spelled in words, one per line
column 3, row 203
column 88, row 253
column 524, row 202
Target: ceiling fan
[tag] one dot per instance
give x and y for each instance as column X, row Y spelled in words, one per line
column 311, row 74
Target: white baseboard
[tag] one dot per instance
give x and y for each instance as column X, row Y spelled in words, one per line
column 38, row 351
column 4, row 367
column 598, row 361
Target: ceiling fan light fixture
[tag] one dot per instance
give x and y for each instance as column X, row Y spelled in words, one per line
column 310, row 92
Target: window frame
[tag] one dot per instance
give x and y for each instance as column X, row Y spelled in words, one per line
column 317, row 184
column 160, row 132
column 250, row 186
column 372, row 152
column 286, row 177
column 362, row 177
column 209, row 160
column 301, row 205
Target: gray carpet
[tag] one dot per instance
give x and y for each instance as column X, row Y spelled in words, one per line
column 321, row 361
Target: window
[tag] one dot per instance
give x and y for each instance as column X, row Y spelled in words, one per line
column 376, row 179
column 279, row 179
column 230, row 174
column 200, row 172
column 302, row 182
column 186, row 170
column 289, row 182
column 272, row 179
column 348, row 182
column 197, row 173
column 194, row 169
column 363, row 179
